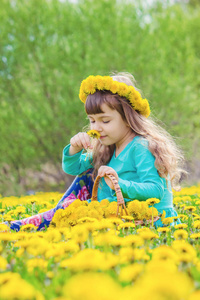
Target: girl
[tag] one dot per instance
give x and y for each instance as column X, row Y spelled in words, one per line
column 140, row 154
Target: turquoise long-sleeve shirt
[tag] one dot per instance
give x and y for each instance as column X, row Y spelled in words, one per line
column 138, row 176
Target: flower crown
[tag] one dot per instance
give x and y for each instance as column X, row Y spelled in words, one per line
column 93, row 83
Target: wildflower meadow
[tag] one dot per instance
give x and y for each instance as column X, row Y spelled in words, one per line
column 88, row 252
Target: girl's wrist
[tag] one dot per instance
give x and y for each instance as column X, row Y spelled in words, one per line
column 73, row 150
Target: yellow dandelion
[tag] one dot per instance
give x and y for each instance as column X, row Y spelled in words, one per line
column 195, row 215
column 123, row 90
column 4, row 227
column 107, row 239
column 96, row 281
column 105, row 224
column 195, row 236
column 82, row 211
column 116, row 221
column 8, row 218
column 50, row 274
column 6, row 236
column 3, row 263
column 111, row 209
column 181, row 234
column 190, row 208
column 73, row 218
column 168, row 220
column 152, row 201
column 53, row 235
column 163, row 229
column 36, row 263
column 11, row 289
column 186, row 198
column 185, row 251
column 126, row 225
column 127, row 218
column 107, row 82
column 94, row 134
column 29, row 227
column 100, row 82
column 79, row 234
column 195, row 295
column 164, row 253
column 131, row 272
column 163, row 215
column 128, row 254
column 134, row 209
column 132, row 240
column 183, row 217
column 114, row 87
column 76, row 203
column 181, row 226
column 196, row 224
column 21, row 209
column 90, row 85
column 148, row 234
column 159, row 266
column 94, row 213
column 177, row 200
column 93, row 204
column 86, row 220
column 104, row 202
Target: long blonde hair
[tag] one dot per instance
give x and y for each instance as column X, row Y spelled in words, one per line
column 169, row 159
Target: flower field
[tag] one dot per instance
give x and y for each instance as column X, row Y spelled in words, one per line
column 90, row 257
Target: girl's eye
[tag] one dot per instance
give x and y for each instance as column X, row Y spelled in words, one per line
column 103, row 121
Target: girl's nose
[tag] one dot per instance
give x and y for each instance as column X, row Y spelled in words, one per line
column 96, row 126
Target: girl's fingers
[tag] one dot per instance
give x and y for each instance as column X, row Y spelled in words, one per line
column 104, row 170
column 81, row 140
column 85, row 140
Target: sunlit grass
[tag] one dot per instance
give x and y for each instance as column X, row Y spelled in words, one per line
column 108, row 258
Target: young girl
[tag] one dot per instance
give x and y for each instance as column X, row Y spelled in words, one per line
column 140, row 154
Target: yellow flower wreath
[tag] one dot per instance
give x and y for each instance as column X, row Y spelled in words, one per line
column 93, row 83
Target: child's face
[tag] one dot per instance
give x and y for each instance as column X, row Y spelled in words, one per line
column 110, row 125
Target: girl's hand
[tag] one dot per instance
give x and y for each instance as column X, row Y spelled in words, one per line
column 78, row 142
column 103, row 171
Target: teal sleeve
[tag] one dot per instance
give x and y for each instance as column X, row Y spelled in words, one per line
column 150, row 184
column 75, row 164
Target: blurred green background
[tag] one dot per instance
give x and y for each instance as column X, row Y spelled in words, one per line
column 48, row 47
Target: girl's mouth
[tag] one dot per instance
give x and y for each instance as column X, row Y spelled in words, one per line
column 102, row 137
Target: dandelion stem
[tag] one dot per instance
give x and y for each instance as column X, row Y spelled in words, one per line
column 86, row 155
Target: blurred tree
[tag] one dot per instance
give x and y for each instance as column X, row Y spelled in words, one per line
column 194, row 3
column 48, row 47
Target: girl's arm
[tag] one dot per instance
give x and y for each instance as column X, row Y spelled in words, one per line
column 151, row 185
column 77, row 163
column 74, row 162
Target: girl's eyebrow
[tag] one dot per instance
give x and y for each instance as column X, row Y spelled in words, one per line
column 100, row 117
